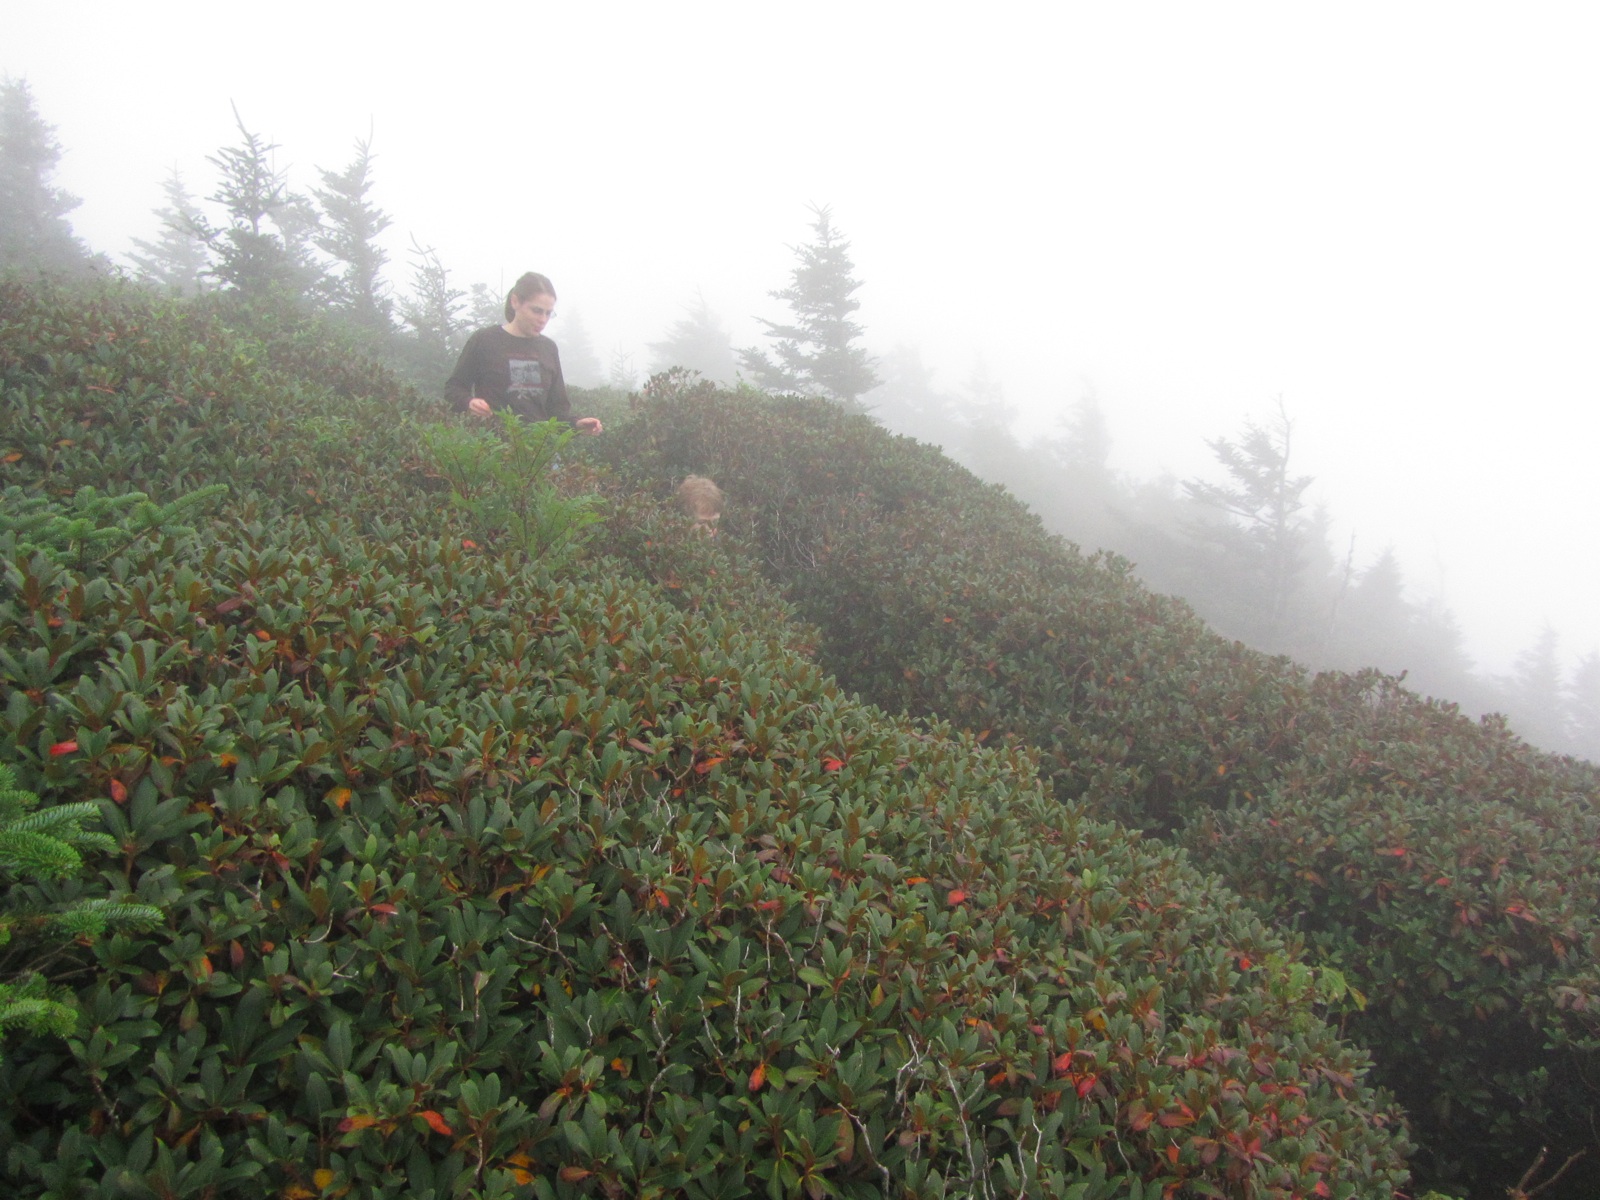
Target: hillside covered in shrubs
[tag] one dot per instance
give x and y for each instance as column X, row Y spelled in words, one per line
column 881, row 846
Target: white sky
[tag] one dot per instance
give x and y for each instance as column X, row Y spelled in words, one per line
column 1386, row 213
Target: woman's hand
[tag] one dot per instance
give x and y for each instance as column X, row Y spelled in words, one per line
column 590, row 425
column 479, row 407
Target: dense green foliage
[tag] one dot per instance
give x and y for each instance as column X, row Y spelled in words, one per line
column 1446, row 866
column 500, row 483
column 486, row 881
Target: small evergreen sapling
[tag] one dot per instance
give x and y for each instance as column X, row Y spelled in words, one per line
column 38, row 845
column 94, row 526
column 500, row 481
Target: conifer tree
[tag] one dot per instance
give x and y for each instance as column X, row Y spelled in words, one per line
column 1263, row 536
column 1536, row 695
column 622, row 376
column 34, row 232
column 580, row 362
column 1583, row 707
column 176, row 260
column 263, row 247
column 698, row 341
column 432, row 314
column 817, row 353
column 348, row 235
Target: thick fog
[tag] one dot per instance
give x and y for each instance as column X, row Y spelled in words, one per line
column 1384, row 215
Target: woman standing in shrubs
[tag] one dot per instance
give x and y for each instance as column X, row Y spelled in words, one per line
column 514, row 366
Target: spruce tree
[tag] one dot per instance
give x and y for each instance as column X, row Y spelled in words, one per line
column 817, row 353
column 348, row 235
column 1536, row 694
column 1583, row 707
column 432, row 314
column 580, row 362
column 699, row 341
column 263, row 248
column 1263, row 536
column 34, row 232
column 176, row 260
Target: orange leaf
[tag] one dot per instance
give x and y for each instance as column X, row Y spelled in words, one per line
column 119, row 792
column 351, row 1124
column 227, row 760
column 915, row 879
column 832, row 764
column 263, row 635
column 14, row 456
column 573, row 1174
column 1172, row 1153
column 322, row 1177
column 468, row 544
column 435, row 1122
column 1062, row 1063
column 339, row 797
column 956, row 896
column 758, row 1077
column 61, row 748
column 705, row 765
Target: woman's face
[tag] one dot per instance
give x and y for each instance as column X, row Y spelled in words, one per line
column 530, row 316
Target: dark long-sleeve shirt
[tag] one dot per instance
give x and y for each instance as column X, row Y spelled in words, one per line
column 522, row 374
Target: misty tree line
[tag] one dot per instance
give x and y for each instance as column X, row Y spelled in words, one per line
column 1241, row 546
column 1245, row 549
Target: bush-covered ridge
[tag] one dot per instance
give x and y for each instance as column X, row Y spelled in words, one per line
column 1449, row 868
column 483, row 882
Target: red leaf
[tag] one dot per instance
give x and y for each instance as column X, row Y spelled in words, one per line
column 468, row 544
column 435, row 1122
column 61, row 748
column 956, row 896
column 832, row 764
column 1062, row 1063
column 758, row 1077
column 119, row 793
column 383, row 910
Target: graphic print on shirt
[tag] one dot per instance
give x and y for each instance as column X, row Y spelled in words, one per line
column 527, row 379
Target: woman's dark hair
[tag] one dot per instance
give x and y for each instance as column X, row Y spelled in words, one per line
column 530, row 285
